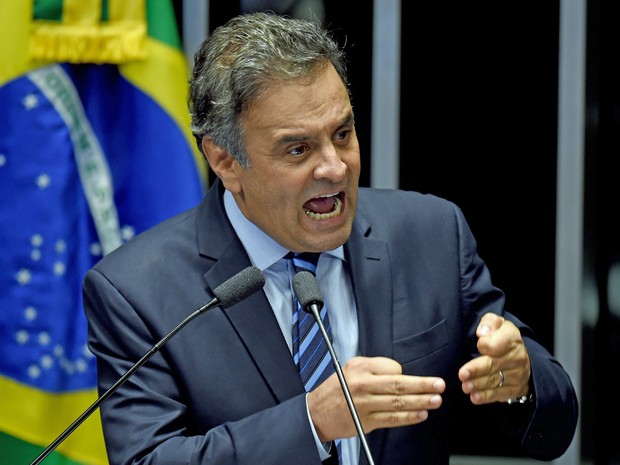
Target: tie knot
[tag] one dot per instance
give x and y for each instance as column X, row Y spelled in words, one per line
column 305, row 261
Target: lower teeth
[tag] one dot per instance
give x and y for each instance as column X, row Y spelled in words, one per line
column 323, row 216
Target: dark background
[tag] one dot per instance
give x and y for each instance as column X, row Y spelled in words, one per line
column 479, row 127
column 479, row 99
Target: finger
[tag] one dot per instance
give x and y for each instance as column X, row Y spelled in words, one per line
column 486, row 397
column 394, row 419
column 500, row 342
column 376, row 365
column 497, row 394
column 489, row 323
column 491, row 388
column 399, row 402
column 399, row 384
column 392, row 411
column 486, row 372
column 492, row 381
column 479, row 367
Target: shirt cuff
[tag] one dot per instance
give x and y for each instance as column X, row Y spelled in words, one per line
column 322, row 448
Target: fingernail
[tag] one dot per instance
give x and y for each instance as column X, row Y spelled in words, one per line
column 485, row 330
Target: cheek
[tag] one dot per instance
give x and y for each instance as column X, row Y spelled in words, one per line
column 353, row 161
column 273, row 193
column 271, row 200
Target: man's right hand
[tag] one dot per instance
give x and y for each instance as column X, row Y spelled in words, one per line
column 383, row 398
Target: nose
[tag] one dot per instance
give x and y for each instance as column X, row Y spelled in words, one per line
column 331, row 165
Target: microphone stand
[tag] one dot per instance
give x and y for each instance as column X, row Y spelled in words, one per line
column 314, row 308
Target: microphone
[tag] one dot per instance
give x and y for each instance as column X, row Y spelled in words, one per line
column 307, row 290
column 232, row 291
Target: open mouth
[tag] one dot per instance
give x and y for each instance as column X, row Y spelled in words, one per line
column 324, row 207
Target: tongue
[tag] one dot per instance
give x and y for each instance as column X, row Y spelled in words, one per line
column 320, row 205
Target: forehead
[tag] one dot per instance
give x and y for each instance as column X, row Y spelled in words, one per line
column 300, row 102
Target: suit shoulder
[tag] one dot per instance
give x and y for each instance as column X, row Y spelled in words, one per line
column 401, row 215
column 155, row 243
column 372, row 199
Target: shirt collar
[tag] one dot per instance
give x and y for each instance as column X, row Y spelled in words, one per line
column 261, row 248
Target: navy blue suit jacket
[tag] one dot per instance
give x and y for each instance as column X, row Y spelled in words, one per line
column 225, row 390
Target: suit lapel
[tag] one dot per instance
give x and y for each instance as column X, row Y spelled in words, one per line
column 259, row 331
column 372, row 287
column 253, row 318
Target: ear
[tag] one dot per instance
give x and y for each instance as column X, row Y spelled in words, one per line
column 223, row 164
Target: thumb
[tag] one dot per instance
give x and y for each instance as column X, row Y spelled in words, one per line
column 489, row 323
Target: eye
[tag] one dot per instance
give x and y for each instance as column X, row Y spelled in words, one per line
column 299, row 150
column 342, row 135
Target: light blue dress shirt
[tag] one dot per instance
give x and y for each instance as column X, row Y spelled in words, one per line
column 335, row 284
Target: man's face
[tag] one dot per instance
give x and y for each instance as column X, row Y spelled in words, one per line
column 302, row 184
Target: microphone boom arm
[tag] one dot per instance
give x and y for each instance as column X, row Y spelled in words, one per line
column 89, row 411
column 230, row 292
column 314, row 308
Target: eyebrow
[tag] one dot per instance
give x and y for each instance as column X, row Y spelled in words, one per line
column 346, row 121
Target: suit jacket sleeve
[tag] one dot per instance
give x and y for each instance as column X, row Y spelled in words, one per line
column 547, row 427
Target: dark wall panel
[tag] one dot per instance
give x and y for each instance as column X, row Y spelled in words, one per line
column 479, row 127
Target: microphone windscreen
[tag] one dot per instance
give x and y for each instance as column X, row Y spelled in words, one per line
column 239, row 287
column 307, row 290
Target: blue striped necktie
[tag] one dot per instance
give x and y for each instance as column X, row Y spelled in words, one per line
column 310, row 351
column 309, row 348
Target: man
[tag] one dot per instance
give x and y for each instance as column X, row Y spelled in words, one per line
column 415, row 320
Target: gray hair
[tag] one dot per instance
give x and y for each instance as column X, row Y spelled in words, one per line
column 241, row 59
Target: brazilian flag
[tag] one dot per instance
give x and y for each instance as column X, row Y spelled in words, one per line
column 94, row 148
